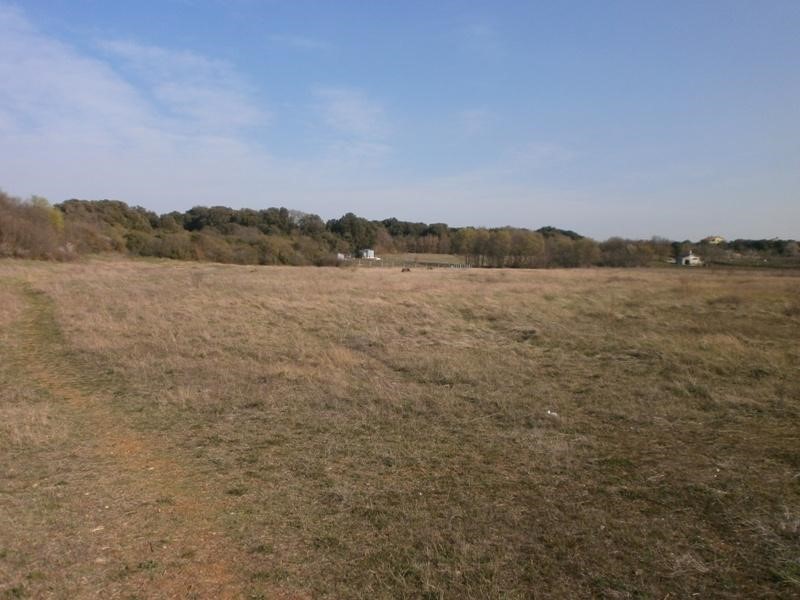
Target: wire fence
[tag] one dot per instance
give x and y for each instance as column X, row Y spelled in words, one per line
column 402, row 263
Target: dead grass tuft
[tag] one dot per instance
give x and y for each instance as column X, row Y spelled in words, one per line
column 730, row 300
column 791, row 309
column 29, row 426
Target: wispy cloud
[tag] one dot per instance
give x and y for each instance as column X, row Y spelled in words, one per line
column 49, row 88
column 166, row 127
column 352, row 113
column 538, row 154
column 162, row 127
column 476, row 121
column 299, row 42
column 204, row 93
column 353, row 154
column 482, row 37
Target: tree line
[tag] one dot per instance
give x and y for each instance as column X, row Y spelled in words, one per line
column 34, row 228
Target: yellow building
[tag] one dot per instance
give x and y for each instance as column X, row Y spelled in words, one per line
column 713, row 240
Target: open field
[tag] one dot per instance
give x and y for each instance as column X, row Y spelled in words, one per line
column 186, row 430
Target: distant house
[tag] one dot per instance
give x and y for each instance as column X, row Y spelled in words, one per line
column 714, row 240
column 367, row 253
column 690, row 260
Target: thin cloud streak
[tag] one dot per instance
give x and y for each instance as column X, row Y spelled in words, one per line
column 352, row 113
column 299, row 42
column 482, row 38
column 476, row 121
column 206, row 93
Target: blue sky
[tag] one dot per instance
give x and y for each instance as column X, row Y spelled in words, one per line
column 679, row 119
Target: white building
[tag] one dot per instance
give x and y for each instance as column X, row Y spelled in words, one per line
column 367, row 253
column 690, row 260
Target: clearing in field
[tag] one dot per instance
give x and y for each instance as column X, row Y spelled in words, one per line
column 185, row 430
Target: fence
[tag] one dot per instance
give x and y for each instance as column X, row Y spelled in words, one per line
column 409, row 264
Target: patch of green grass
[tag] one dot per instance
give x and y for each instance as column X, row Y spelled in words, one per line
column 263, row 549
column 272, row 575
column 788, row 573
column 616, row 462
column 147, row 565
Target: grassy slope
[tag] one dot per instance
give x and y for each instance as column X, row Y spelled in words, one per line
column 376, row 434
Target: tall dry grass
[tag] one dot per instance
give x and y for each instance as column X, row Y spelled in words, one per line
column 465, row 433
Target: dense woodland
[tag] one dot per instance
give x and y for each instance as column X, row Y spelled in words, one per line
column 34, row 228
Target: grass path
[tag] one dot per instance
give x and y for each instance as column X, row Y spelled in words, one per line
column 136, row 521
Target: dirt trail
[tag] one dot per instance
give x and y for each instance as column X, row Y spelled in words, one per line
column 142, row 505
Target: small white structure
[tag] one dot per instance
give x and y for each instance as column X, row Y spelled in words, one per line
column 367, row 253
column 690, row 260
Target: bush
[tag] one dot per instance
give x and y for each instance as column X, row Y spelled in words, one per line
column 31, row 229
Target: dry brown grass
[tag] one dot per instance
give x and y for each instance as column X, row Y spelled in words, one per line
column 441, row 434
